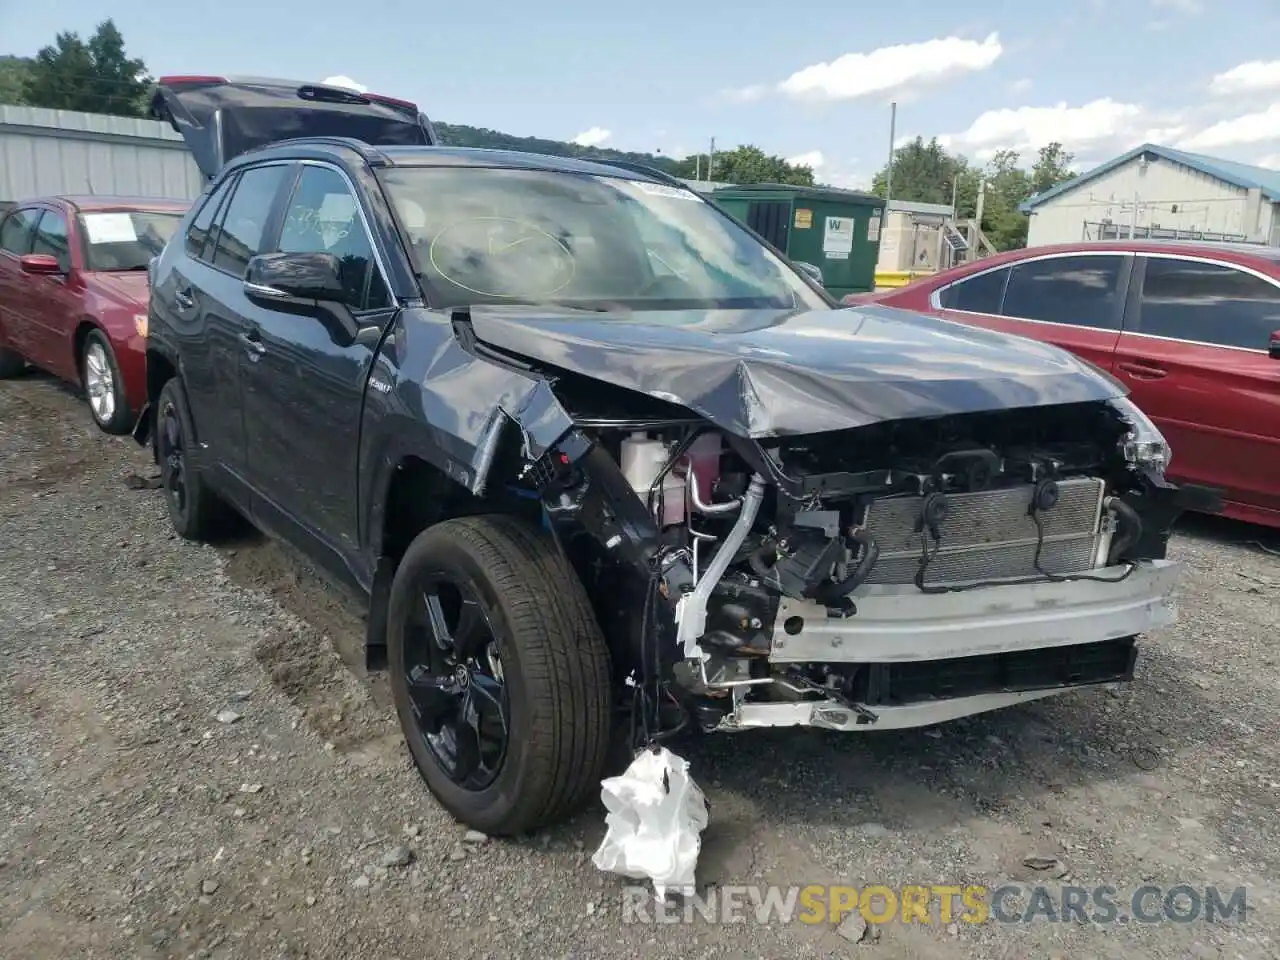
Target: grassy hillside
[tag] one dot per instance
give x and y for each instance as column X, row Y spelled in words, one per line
column 461, row 135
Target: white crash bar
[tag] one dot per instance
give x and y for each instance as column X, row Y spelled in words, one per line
column 898, row 623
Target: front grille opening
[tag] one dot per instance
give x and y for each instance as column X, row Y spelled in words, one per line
column 898, row 684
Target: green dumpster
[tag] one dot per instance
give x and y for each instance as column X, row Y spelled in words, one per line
column 837, row 231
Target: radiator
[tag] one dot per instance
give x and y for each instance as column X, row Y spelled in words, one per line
column 988, row 535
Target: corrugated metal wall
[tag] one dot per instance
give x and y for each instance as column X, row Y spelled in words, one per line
column 60, row 151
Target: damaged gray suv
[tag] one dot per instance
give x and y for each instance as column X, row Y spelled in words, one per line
column 598, row 458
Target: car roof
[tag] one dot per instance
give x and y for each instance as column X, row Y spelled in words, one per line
column 98, row 202
column 443, row 156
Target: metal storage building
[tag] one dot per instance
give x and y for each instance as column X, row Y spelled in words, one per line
column 61, row 151
column 1160, row 192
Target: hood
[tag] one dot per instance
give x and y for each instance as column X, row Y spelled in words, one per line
column 770, row 373
column 221, row 118
column 127, row 288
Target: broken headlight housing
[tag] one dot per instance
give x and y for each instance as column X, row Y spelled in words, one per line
column 1144, row 445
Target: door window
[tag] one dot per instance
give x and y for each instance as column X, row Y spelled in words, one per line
column 201, row 228
column 1080, row 291
column 980, row 294
column 1208, row 303
column 240, row 239
column 324, row 217
column 15, row 235
column 51, row 238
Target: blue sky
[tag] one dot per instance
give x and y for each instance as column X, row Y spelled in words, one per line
column 1103, row 75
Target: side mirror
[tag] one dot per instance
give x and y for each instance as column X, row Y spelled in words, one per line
column 41, row 265
column 1274, row 350
column 814, row 273
column 284, row 277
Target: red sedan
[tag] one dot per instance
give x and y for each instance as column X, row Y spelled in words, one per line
column 1192, row 329
column 73, row 294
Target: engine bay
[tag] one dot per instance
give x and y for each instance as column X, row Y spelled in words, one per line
column 712, row 553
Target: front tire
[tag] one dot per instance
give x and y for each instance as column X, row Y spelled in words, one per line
column 103, row 385
column 195, row 510
column 499, row 672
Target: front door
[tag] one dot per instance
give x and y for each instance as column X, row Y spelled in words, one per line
column 1194, row 355
column 303, row 377
column 16, row 234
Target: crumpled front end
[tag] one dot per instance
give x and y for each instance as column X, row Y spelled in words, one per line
column 893, row 575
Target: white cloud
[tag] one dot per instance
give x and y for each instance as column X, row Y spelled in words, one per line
column 342, row 81
column 1182, row 6
column 846, row 179
column 813, row 159
column 1256, row 76
column 1260, row 127
column 1020, row 86
column 1029, row 128
column 593, row 137
column 899, row 70
column 1271, row 161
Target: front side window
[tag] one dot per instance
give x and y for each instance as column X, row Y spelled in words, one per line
column 323, row 217
column 120, row 240
column 51, row 239
column 1081, row 291
column 483, row 235
column 1207, row 303
column 240, row 239
column 980, row 294
column 18, row 229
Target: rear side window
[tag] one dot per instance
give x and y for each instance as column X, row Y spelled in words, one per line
column 1076, row 291
column 197, row 239
column 980, row 294
column 1208, row 303
column 16, row 233
column 51, row 238
column 243, row 226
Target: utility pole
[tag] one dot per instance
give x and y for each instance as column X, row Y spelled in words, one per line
column 888, row 179
column 711, row 159
column 1133, row 215
column 697, row 166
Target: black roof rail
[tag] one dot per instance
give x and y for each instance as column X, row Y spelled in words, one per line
column 660, row 175
column 367, row 151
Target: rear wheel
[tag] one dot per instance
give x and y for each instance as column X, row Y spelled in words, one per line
column 195, row 510
column 103, row 385
column 499, row 672
column 11, row 364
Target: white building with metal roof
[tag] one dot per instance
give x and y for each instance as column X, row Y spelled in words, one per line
column 1159, row 192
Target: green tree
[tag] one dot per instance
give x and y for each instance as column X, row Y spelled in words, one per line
column 94, row 76
column 927, row 173
column 1007, row 186
column 13, row 73
column 1052, row 167
column 745, row 164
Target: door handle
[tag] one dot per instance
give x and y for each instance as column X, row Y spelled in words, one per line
column 1143, row 370
column 253, row 344
column 185, row 299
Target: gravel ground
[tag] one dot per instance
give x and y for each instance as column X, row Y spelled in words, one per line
column 136, row 821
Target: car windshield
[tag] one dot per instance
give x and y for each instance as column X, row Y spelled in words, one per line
column 126, row 239
column 485, row 235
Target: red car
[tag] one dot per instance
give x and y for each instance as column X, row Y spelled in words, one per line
column 73, row 294
column 1192, row 329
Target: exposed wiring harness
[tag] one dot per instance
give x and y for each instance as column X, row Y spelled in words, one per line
column 651, row 690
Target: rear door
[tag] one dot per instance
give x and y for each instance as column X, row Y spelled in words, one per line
column 16, row 233
column 1194, row 355
column 222, row 118
column 55, row 304
column 203, row 300
column 1074, row 300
